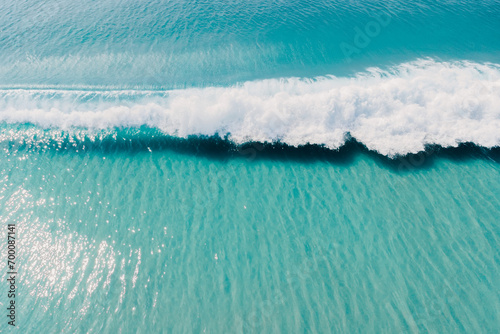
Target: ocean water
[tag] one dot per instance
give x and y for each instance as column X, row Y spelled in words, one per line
column 250, row 166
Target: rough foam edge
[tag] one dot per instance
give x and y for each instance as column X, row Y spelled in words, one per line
column 393, row 112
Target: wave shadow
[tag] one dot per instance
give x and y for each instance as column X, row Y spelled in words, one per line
column 147, row 140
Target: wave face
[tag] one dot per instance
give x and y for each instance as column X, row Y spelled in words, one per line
column 121, row 223
column 393, row 112
column 298, row 72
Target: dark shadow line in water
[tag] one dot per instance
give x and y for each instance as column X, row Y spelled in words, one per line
column 464, row 152
column 145, row 140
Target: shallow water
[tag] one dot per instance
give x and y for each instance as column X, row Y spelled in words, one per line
column 174, row 44
column 249, row 166
column 116, row 238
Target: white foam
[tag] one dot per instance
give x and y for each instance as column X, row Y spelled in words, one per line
column 393, row 112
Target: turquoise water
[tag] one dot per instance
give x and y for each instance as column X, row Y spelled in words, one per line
column 248, row 167
column 180, row 43
column 117, row 238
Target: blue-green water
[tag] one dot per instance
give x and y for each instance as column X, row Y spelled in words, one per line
column 117, row 238
column 249, row 167
column 184, row 42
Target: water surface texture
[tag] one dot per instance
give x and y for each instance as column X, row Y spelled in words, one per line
column 251, row 167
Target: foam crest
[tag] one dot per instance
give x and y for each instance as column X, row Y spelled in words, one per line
column 395, row 111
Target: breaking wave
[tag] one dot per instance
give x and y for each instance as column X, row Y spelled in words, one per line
column 395, row 111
